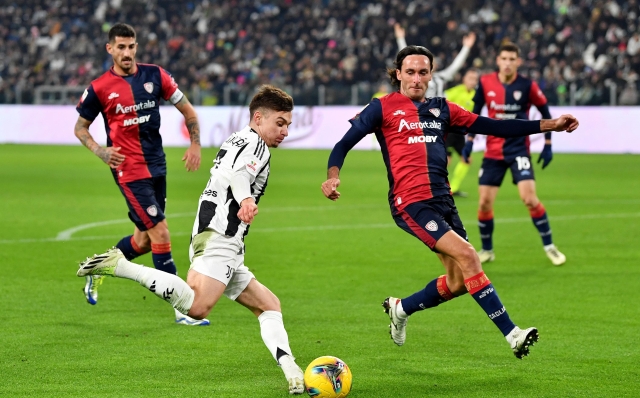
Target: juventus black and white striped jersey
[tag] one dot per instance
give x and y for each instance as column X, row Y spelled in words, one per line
column 243, row 152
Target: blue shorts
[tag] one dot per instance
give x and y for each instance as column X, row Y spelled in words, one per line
column 146, row 200
column 430, row 219
column 492, row 171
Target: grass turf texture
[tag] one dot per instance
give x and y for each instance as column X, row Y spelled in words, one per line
column 331, row 265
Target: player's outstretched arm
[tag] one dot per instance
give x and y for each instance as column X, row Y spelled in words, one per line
column 109, row 155
column 193, row 153
column 521, row 128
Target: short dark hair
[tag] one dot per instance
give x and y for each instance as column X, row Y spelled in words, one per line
column 404, row 53
column 270, row 98
column 121, row 30
column 509, row 47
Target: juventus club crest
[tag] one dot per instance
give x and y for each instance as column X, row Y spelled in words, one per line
column 435, row 111
column 149, row 87
column 517, row 95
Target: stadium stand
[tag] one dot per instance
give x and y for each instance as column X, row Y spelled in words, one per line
column 324, row 52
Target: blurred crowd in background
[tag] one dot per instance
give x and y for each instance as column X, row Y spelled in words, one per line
column 581, row 52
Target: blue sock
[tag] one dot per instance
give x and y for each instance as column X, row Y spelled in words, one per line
column 541, row 221
column 481, row 289
column 162, row 259
column 434, row 294
column 485, row 222
column 129, row 248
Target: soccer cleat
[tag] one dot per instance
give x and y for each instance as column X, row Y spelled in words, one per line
column 521, row 340
column 555, row 256
column 486, row 256
column 91, row 288
column 182, row 319
column 398, row 325
column 292, row 373
column 101, row 264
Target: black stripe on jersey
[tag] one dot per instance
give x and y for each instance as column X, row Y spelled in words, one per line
column 233, row 222
column 205, row 215
column 238, row 154
column 258, row 147
column 264, row 147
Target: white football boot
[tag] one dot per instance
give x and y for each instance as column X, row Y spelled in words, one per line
column 398, row 325
column 555, row 256
column 520, row 340
column 486, row 256
column 182, row 319
column 293, row 374
column 101, row 264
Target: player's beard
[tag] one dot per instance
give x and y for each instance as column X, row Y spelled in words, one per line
column 128, row 69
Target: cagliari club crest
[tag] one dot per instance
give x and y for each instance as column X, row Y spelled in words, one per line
column 517, row 95
column 435, row 111
column 149, row 87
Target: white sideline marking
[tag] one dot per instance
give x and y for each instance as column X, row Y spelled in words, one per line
column 314, row 227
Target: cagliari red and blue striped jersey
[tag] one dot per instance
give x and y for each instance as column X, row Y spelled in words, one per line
column 412, row 138
column 504, row 102
column 130, row 107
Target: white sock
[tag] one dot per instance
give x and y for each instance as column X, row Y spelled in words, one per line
column 273, row 333
column 549, row 247
column 164, row 285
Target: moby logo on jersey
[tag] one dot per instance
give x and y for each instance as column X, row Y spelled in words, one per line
column 422, row 138
column 137, row 120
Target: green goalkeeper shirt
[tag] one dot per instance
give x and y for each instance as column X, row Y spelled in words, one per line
column 459, row 95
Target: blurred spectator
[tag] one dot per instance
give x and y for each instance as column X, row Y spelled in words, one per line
column 223, row 49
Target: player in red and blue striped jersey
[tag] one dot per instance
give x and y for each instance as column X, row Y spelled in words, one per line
column 128, row 96
column 510, row 96
column 411, row 130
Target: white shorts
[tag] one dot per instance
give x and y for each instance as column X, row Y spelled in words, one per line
column 222, row 258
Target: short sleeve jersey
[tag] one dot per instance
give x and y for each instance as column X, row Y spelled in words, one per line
column 243, row 152
column 412, row 138
column 130, row 107
column 507, row 101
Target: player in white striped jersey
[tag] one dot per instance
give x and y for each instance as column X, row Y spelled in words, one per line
column 227, row 207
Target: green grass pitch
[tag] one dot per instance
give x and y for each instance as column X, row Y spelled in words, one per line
column 331, row 265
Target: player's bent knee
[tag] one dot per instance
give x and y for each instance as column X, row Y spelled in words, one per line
column 468, row 259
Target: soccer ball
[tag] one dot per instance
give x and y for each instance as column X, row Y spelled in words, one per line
column 327, row 377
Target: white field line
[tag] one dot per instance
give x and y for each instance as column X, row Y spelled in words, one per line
column 313, row 228
column 67, row 233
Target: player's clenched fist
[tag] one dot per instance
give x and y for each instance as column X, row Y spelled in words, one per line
column 329, row 188
column 248, row 210
column 566, row 123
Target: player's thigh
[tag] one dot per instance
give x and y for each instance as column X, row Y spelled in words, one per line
column 258, row 298
column 207, row 293
column 144, row 209
column 527, row 191
column 521, row 169
column 492, row 172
